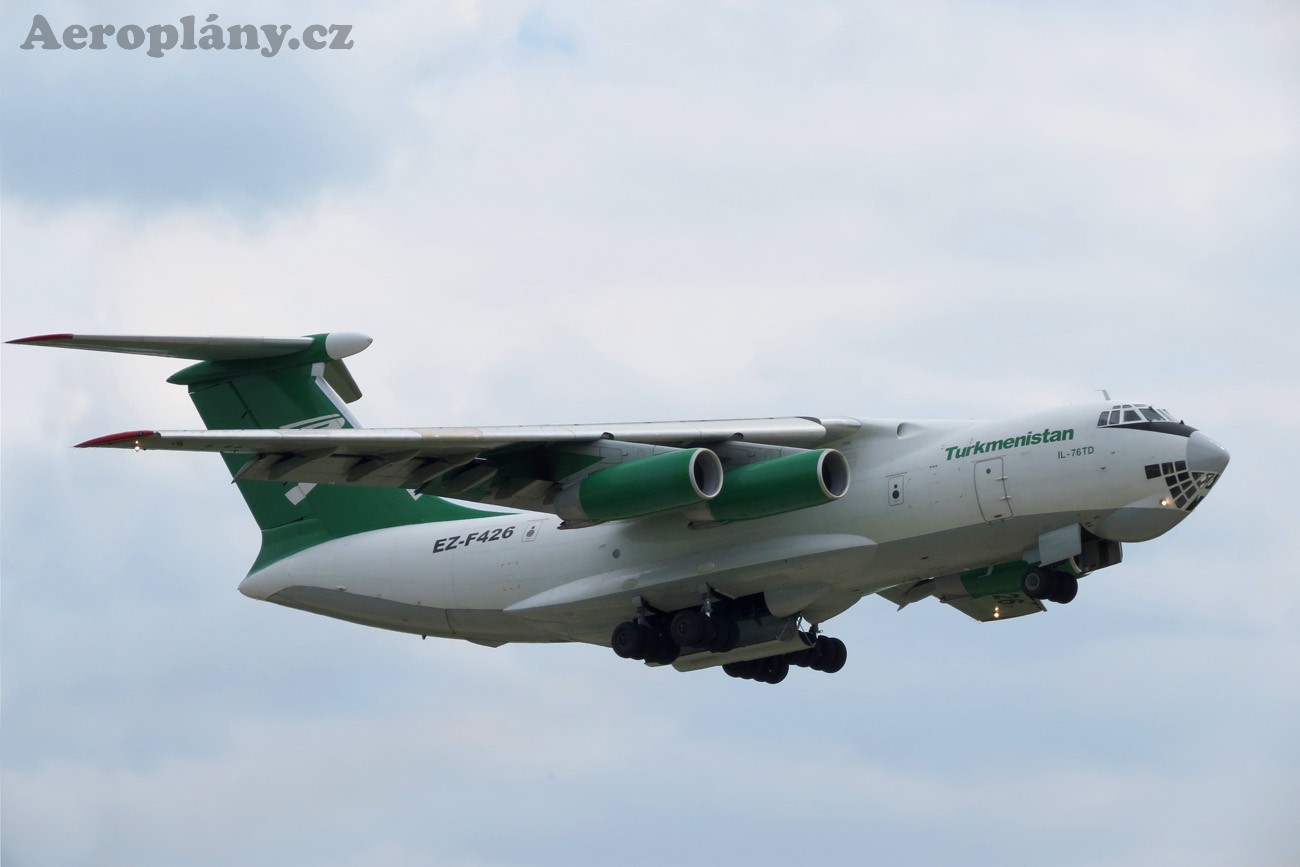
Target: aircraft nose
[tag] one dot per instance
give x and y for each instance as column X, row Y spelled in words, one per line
column 1204, row 455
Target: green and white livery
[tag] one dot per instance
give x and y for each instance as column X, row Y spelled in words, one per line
column 697, row 544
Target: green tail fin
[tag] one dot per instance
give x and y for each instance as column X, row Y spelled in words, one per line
column 301, row 390
column 279, row 382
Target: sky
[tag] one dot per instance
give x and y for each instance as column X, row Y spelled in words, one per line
column 584, row 212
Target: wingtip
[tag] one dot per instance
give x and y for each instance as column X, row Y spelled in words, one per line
column 41, row 338
column 116, row 439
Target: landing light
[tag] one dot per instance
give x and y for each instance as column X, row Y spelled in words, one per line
column 997, row 611
column 137, row 446
column 1164, row 501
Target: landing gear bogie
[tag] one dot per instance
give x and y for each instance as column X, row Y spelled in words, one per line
column 772, row 669
column 659, row 637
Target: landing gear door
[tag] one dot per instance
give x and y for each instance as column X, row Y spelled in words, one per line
column 991, row 490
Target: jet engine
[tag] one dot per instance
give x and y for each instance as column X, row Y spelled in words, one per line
column 775, row 486
column 663, row 482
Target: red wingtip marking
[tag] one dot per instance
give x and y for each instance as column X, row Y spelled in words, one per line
column 114, row 439
column 41, row 338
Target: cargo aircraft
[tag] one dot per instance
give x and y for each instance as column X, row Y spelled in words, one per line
column 696, row 544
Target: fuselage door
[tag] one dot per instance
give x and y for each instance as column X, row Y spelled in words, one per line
column 991, row 490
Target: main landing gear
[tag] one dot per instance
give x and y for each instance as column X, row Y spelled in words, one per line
column 661, row 643
column 1043, row 582
column 826, row 654
column 659, row 638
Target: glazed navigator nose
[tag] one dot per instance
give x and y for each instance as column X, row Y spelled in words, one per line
column 1204, row 455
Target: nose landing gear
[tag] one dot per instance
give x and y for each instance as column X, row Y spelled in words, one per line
column 1043, row 582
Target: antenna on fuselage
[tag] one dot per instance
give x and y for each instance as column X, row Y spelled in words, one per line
column 1104, row 393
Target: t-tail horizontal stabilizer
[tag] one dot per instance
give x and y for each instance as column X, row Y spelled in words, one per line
column 327, row 348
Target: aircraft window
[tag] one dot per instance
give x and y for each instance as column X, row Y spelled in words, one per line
column 1151, row 414
column 1101, row 422
column 1131, row 415
column 1114, row 416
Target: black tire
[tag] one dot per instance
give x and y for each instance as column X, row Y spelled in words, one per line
column 815, row 656
column 726, row 634
column 663, row 650
column 834, row 654
column 1067, row 587
column 774, row 670
column 1039, row 582
column 736, row 669
column 689, row 628
column 630, row 640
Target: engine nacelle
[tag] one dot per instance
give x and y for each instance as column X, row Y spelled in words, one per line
column 776, row 486
column 660, row 483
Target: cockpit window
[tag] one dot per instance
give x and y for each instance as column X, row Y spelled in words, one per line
column 1133, row 413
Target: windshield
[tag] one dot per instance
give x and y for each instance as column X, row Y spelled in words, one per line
column 1133, row 413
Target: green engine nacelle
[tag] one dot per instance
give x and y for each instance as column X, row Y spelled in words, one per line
column 776, row 486
column 660, row 483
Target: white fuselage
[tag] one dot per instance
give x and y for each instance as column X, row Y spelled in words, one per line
column 927, row 498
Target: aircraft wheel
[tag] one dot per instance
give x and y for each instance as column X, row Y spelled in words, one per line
column 690, row 628
column 665, row 651
column 1039, row 582
column 1067, row 587
column 726, row 634
column 630, row 640
column 774, row 670
column 736, row 669
column 834, row 654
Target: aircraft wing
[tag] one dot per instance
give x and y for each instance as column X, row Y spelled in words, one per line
column 514, row 467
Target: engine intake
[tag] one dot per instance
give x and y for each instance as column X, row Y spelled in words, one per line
column 777, row 486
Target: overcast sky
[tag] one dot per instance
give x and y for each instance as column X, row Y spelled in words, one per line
column 567, row 212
